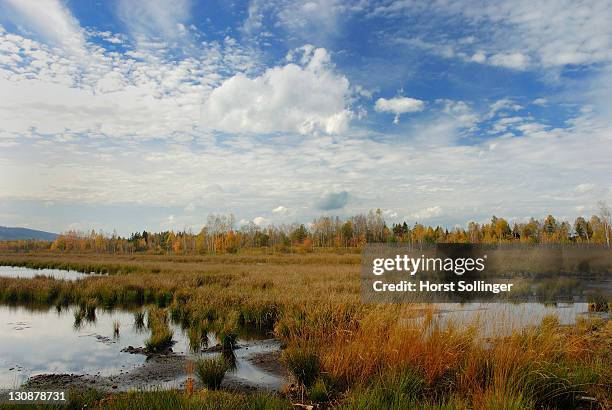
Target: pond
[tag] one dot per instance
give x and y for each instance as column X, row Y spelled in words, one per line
column 28, row 273
column 51, row 341
column 501, row 319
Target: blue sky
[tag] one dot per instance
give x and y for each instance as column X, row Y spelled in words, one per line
column 134, row 115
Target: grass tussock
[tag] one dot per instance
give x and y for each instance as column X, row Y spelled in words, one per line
column 304, row 365
column 211, row 371
column 161, row 334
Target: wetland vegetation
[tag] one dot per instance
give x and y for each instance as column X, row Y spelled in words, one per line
column 339, row 352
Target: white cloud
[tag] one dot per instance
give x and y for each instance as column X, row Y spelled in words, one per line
column 426, row 213
column 113, row 95
column 398, row 106
column 280, row 210
column 549, row 35
column 390, row 213
column 479, row 57
column 315, row 20
column 467, row 181
column 540, row 101
column 254, row 21
column 125, row 130
column 461, row 111
column 305, row 98
column 505, row 104
column 517, row 61
column 155, row 19
column 556, row 33
column 51, row 20
column 585, row 187
column 260, row 220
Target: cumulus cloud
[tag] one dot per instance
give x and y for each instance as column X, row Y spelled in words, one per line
column 540, row 101
column 332, row 200
column 427, row 213
column 398, row 106
column 280, row 210
column 304, row 98
column 260, row 220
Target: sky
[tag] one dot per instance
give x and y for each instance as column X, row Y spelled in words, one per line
column 129, row 115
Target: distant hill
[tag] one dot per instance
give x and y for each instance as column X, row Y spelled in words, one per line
column 12, row 234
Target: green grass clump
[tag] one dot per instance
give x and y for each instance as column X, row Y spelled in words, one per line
column 156, row 316
column 505, row 401
column 198, row 338
column 303, row 364
column 401, row 390
column 160, row 340
column 211, row 371
column 161, row 334
column 319, row 391
column 558, row 385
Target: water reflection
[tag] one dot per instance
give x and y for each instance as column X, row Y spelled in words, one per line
column 501, row 319
column 63, row 341
column 88, row 340
column 29, row 273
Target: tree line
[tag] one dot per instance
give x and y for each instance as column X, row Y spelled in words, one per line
column 220, row 235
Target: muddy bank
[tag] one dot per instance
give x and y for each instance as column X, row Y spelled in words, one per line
column 259, row 369
column 270, row 362
column 157, row 370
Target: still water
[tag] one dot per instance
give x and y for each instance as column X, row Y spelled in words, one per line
column 28, row 273
column 34, row 342
column 501, row 319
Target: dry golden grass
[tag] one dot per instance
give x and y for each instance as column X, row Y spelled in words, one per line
column 312, row 304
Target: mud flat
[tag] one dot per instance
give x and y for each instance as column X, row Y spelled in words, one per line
column 257, row 368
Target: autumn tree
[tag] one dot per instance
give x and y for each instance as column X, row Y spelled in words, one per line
column 606, row 218
column 582, row 229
